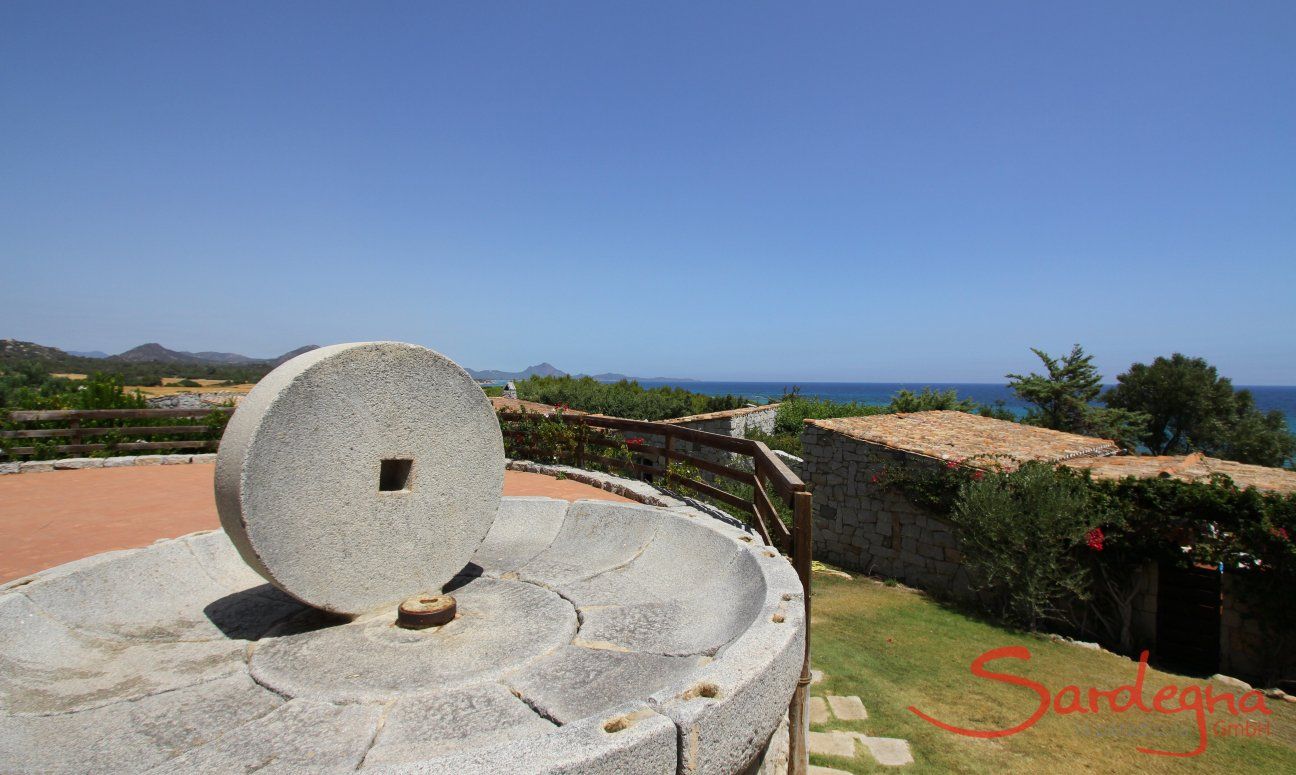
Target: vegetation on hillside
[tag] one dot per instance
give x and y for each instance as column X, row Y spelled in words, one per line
column 29, row 386
column 15, row 355
column 626, row 398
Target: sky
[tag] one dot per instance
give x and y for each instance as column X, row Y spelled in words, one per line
column 804, row 191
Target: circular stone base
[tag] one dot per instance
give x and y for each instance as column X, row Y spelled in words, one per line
column 500, row 627
column 599, row 638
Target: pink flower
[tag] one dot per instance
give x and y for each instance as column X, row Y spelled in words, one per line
column 951, row 464
column 875, row 479
column 1280, row 532
column 1094, row 539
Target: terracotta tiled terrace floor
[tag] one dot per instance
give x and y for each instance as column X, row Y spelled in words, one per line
column 51, row 518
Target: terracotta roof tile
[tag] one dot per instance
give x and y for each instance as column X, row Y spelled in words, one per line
column 1189, row 468
column 949, row 435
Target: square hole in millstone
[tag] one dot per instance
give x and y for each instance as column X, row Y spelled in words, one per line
column 394, row 475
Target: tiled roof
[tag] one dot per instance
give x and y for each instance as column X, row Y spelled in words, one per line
column 1189, row 468
column 959, row 436
column 518, row 405
column 720, row 415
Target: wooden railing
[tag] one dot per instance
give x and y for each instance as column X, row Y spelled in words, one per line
column 77, row 426
column 769, row 478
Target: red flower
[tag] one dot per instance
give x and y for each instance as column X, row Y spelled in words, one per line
column 1280, row 532
column 634, row 441
column 1094, row 539
column 978, row 475
column 875, row 479
column 951, row 464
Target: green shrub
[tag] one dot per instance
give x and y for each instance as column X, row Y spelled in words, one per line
column 622, row 399
column 1019, row 533
column 186, row 383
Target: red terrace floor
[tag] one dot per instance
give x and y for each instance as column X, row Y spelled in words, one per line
column 47, row 519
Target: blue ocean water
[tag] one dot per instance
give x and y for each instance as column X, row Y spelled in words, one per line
column 1282, row 398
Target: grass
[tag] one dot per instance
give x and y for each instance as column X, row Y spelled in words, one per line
column 895, row 647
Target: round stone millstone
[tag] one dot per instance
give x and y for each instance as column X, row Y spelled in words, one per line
column 357, row 475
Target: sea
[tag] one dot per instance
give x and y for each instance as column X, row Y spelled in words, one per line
column 1267, row 397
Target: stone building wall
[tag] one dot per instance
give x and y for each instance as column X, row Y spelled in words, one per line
column 733, row 422
column 861, row 526
column 1247, row 650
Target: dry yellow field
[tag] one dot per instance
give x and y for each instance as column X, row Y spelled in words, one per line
column 171, row 390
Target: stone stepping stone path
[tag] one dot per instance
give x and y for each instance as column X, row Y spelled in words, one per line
column 847, row 708
column 887, row 751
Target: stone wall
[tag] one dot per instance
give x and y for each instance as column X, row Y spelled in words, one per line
column 195, row 400
column 861, row 526
column 1246, row 649
column 733, row 422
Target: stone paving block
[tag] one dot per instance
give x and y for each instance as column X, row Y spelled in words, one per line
column 145, row 594
column 596, row 537
column 817, row 770
column 298, row 736
column 574, row 682
column 10, row 468
column 889, row 751
column 832, row 744
column 174, row 460
column 120, row 461
column 420, row 728
column 96, row 671
column 847, row 708
column 816, row 676
column 818, row 710
column 148, row 460
column 625, row 739
column 132, row 736
column 36, row 466
column 738, row 692
column 523, row 528
column 207, row 457
column 77, row 463
column 503, row 625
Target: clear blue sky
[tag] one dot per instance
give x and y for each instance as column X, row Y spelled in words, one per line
column 825, row 191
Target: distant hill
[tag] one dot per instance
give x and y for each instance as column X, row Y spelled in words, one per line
column 156, row 353
column 14, row 350
column 549, row 370
column 538, row 370
column 294, row 353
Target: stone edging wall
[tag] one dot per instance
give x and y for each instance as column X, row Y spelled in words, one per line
column 861, row 526
column 77, row 463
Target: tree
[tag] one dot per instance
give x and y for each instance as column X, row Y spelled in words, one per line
column 930, row 400
column 1257, row 437
column 1191, row 407
column 1064, row 399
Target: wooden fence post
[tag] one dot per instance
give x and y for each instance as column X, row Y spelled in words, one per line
column 798, row 716
column 668, row 445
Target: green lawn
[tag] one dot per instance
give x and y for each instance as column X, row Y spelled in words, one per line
column 895, row 648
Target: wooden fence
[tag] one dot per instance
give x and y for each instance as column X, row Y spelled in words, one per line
column 80, row 426
column 769, row 478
